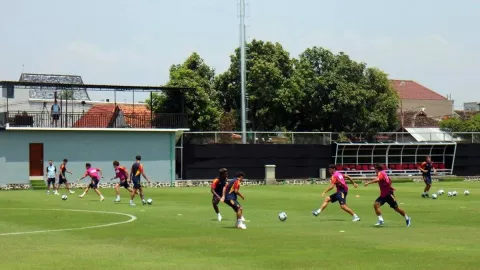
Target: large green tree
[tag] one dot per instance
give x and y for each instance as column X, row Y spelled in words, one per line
column 201, row 103
column 461, row 125
column 272, row 94
column 343, row 95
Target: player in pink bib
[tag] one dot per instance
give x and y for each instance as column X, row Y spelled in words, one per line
column 338, row 181
column 122, row 174
column 386, row 195
column 95, row 174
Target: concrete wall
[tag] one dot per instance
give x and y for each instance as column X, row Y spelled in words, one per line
column 433, row 108
column 100, row 148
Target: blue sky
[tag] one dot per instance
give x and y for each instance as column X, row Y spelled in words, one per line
column 135, row 42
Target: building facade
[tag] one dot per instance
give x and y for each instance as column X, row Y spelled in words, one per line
column 471, row 106
column 414, row 96
column 24, row 152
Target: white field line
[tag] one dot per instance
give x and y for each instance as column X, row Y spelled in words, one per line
column 132, row 218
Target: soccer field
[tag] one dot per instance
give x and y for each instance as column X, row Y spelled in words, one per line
column 180, row 231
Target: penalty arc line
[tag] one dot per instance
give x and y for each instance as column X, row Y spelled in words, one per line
column 132, row 218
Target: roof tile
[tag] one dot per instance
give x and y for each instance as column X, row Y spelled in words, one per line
column 408, row 89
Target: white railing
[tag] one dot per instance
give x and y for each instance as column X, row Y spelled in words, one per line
column 325, row 138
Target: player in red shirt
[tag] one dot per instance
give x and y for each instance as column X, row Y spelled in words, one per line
column 386, row 195
column 122, row 174
column 338, row 181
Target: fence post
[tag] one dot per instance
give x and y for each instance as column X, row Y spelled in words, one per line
column 293, row 140
column 270, row 175
column 215, row 137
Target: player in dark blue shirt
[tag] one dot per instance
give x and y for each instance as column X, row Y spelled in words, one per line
column 230, row 193
column 217, row 190
column 426, row 169
column 135, row 176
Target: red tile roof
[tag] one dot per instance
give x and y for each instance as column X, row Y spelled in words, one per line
column 408, row 89
column 102, row 115
column 99, row 116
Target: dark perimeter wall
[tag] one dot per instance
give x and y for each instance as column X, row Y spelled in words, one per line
column 467, row 160
column 292, row 161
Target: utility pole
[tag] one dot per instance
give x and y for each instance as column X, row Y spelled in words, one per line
column 243, row 70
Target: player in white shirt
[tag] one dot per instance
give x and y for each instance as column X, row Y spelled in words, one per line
column 51, row 176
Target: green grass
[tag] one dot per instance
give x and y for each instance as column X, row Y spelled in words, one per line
column 179, row 231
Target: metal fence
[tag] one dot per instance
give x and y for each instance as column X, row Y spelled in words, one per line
column 325, row 138
column 96, row 120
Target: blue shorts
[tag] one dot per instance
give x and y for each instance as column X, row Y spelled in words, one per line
column 94, row 183
column 427, row 179
column 390, row 199
column 341, row 197
column 233, row 204
column 136, row 183
column 51, row 181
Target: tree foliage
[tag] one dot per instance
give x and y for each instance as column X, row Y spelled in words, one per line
column 271, row 93
column 343, row 95
column 201, row 103
column 459, row 125
column 319, row 91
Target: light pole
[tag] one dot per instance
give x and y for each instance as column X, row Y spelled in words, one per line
column 243, row 70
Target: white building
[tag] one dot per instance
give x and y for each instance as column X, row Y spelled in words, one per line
column 471, row 106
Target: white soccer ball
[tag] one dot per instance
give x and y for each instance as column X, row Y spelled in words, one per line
column 149, row 201
column 454, row 193
column 441, row 192
column 282, row 216
column 434, row 196
column 64, row 197
column 450, row 194
column 466, row 192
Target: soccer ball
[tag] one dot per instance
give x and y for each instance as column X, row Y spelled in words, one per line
column 64, row 197
column 282, row 216
column 434, row 196
column 441, row 192
column 466, row 192
column 149, row 201
column 454, row 193
column 450, row 194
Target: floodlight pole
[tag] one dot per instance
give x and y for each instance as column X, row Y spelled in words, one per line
column 243, row 69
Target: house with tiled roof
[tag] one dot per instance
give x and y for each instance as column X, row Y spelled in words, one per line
column 415, row 97
column 116, row 115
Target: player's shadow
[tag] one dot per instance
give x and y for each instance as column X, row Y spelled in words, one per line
column 334, row 219
column 226, row 219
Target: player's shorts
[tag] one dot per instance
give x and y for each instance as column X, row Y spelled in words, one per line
column 124, row 184
column 427, row 179
column 94, row 183
column 390, row 199
column 136, row 184
column 215, row 200
column 62, row 181
column 233, row 204
column 51, row 181
column 55, row 116
column 341, row 197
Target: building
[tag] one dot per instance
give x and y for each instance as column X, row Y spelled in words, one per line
column 38, row 99
column 414, row 97
column 471, row 106
column 25, row 151
column 99, row 135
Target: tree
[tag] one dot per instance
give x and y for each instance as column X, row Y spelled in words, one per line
column 458, row 125
column 272, row 95
column 343, row 95
column 201, row 103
